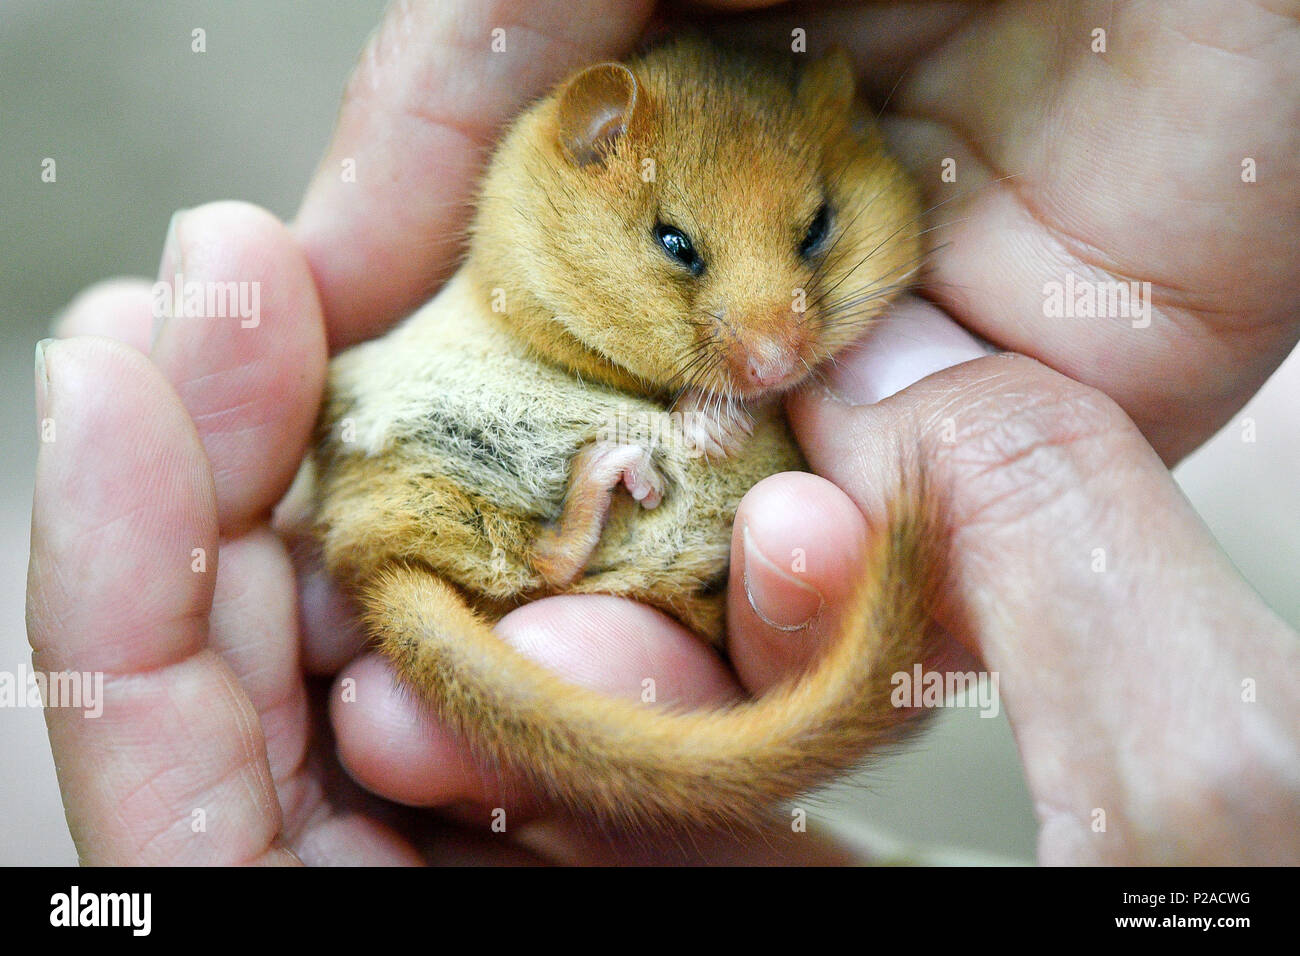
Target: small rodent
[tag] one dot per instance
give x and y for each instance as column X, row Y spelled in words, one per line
column 693, row 231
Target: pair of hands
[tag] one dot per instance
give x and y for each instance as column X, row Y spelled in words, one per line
column 243, row 690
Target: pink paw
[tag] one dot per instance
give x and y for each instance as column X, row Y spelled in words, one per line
column 563, row 550
column 636, row 471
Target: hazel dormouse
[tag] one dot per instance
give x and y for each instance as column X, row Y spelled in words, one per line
column 661, row 248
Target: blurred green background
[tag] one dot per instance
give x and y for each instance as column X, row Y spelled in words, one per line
column 140, row 126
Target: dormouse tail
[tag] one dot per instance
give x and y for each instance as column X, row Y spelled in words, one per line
column 626, row 762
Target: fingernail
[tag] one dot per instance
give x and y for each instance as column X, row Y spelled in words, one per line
column 913, row 341
column 171, row 271
column 42, row 381
column 779, row 598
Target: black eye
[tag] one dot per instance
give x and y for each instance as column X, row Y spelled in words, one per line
column 678, row 245
column 817, row 232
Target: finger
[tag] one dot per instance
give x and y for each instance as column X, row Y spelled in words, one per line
column 616, row 646
column 174, row 768
column 912, row 341
column 117, row 308
column 354, row 840
column 244, row 347
column 883, row 39
column 253, row 626
column 1119, row 632
column 1145, row 285
column 391, row 745
column 250, row 377
column 383, row 219
column 328, row 618
column 330, row 621
column 388, row 742
column 797, row 553
column 799, row 542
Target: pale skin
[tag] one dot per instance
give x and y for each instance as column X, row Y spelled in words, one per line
column 1123, row 688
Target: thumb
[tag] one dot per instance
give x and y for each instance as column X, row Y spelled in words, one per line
column 150, row 730
column 1148, row 686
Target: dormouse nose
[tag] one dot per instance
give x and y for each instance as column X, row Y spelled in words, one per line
column 762, row 361
column 767, row 366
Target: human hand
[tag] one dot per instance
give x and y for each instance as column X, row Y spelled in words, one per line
column 1123, row 165
column 1149, row 688
column 370, row 251
column 1119, row 166
column 1158, row 207
column 154, row 562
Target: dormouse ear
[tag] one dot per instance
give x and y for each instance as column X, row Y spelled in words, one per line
column 595, row 109
column 827, row 83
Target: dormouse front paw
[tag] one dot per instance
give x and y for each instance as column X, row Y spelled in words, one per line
column 713, row 427
column 635, row 469
column 561, row 553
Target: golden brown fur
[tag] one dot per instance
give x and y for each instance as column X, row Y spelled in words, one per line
column 459, row 457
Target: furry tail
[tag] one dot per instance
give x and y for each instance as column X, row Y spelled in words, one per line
column 628, row 763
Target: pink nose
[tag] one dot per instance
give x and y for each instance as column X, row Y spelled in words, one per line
column 770, row 364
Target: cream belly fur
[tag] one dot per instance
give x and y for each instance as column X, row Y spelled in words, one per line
column 407, row 446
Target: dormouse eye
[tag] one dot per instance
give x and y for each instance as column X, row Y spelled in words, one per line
column 678, row 245
column 817, row 232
